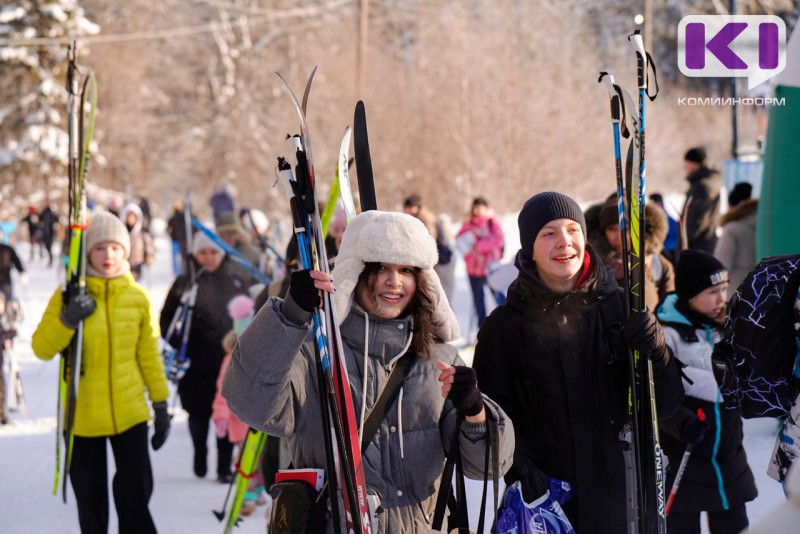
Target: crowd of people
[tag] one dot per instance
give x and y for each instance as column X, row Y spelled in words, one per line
column 547, row 385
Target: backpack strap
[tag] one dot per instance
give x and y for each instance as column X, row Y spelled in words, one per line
column 378, row 411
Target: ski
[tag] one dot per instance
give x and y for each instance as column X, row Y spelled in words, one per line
column 331, row 367
column 80, row 139
column 248, row 461
column 343, row 175
column 340, row 186
column 653, row 487
column 366, row 182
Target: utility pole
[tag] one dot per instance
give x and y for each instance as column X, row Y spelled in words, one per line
column 361, row 59
column 734, row 125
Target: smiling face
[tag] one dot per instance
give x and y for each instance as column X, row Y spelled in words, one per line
column 711, row 301
column 108, row 258
column 388, row 292
column 558, row 252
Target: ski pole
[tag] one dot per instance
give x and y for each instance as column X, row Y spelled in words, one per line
column 221, row 514
column 682, row 467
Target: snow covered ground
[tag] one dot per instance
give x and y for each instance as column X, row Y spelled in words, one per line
column 181, row 502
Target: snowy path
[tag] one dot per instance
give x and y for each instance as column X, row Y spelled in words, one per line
column 181, row 503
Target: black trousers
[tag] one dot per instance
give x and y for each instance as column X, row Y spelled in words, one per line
column 132, row 483
column 731, row 521
column 198, row 428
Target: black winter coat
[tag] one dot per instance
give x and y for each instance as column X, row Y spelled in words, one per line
column 701, row 219
column 548, row 360
column 210, row 323
column 717, row 473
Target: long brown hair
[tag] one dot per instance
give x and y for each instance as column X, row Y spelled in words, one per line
column 421, row 307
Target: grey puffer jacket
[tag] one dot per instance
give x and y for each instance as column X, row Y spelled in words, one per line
column 270, row 384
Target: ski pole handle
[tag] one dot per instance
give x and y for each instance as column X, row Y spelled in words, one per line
column 608, row 80
column 641, row 57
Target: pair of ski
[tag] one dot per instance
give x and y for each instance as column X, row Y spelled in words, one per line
column 176, row 361
column 645, row 481
column 342, row 445
column 80, row 139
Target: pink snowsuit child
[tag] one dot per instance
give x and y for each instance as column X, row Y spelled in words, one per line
column 240, row 309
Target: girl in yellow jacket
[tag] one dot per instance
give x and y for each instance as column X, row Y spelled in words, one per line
column 120, row 361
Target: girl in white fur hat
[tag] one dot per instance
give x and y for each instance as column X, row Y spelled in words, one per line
column 390, row 302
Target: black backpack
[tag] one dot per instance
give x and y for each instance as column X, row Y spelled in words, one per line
column 756, row 360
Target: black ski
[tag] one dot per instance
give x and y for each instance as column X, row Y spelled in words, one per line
column 366, row 183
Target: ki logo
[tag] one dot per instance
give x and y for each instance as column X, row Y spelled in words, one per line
column 748, row 46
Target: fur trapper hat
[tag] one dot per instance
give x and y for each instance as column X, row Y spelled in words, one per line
column 106, row 226
column 396, row 238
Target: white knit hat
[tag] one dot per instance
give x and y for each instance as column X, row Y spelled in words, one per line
column 106, row 226
column 396, row 238
column 201, row 241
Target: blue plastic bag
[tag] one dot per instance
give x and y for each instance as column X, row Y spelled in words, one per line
column 543, row 516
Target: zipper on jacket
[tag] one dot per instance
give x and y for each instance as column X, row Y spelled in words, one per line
column 110, row 361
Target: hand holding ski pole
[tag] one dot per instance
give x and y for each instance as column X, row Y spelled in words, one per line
column 460, row 385
column 78, row 308
column 694, row 424
column 305, row 288
column 643, row 333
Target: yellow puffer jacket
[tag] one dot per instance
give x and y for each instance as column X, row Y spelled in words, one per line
column 120, row 356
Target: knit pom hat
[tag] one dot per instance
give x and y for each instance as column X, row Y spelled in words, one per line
column 201, row 241
column 696, row 271
column 540, row 210
column 240, row 308
column 106, row 226
column 396, row 238
column 695, row 155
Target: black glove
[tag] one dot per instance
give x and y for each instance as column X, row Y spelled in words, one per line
column 643, row 333
column 303, row 291
column 534, row 484
column 464, row 392
column 161, row 425
column 78, row 308
column 694, row 430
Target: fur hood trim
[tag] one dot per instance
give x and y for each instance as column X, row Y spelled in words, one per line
column 656, row 228
column 396, row 238
column 740, row 211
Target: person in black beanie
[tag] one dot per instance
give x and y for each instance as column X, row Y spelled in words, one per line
column 554, row 357
column 704, row 193
column 717, row 479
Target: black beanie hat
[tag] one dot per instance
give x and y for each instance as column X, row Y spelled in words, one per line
column 696, row 271
column 741, row 192
column 541, row 209
column 697, row 155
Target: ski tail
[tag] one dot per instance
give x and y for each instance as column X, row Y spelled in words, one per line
column 366, row 182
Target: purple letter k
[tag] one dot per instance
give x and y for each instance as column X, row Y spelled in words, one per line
column 719, row 45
